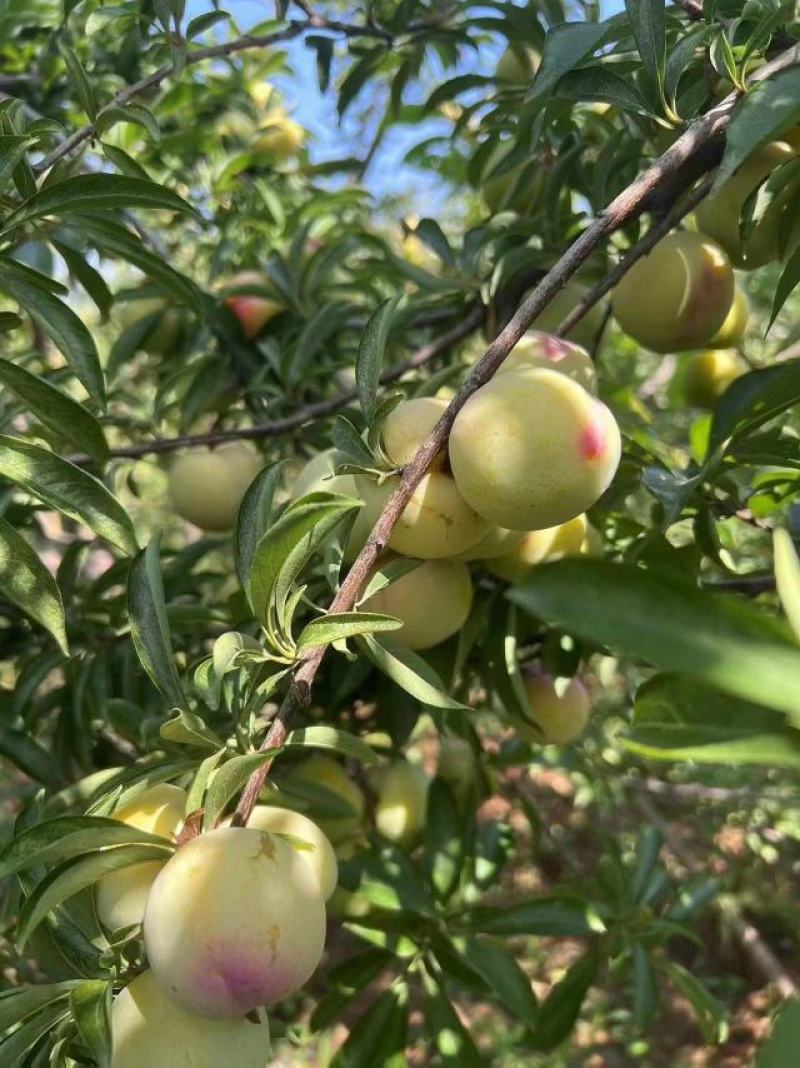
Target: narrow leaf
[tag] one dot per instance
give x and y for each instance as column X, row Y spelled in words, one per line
column 26, row 582
column 149, row 626
column 369, row 360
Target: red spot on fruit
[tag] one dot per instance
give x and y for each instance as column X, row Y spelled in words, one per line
column 554, row 348
column 592, row 443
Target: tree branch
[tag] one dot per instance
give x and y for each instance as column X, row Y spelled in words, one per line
column 627, row 206
column 277, row 427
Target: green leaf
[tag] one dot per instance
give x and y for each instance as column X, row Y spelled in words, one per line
column 19, row 1002
column 787, row 283
column 718, row 639
column 284, row 549
column 369, row 361
column 91, row 1010
column 602, row 84
column 194, row 798
column 787, row 577
column 228, row 781
column 334, row 628
column 59, row 322
column 27, row 583
column 563, row 917
column 87, row 194
column 345, row 983
column 449, row 1039
column 67, row 836
column 559, row 1011
column 254, row 519
column 379, row 1033
column 15, row 1048
column 30, row 757
column 752, row 400
column 187, row 728
column 445, row 840
column 149, row 626
column 645, row 987
column 91, row 280
column 410, row 672
column 763, row 113
column 505, row 978
column 565, row 47
column 677, row 718
column 204, row 22
column 60, row 414
column 75, row 875
column 68, row 489
column 648, row 22
column 780, row 1049
column 321, row 736
column 83, row 87
column 710, row 1013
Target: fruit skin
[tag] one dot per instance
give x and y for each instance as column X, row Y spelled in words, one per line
column 586, row 330
column 498, row 542
column 321, row 856
column 437, row 522
column 121, row 896
column 252, row 311
column 456, row 764
column 517, row 66
column 731, row 334
column 408, row 425
column 165, row 334
column 562, row 716
column 402, row 802
column 536, row 349
column 151, row 1030
column 540, row 546
column 280, row 138
column 532, row 449
column 718, row 216
column 433, row 602
column 234, row 921
column 708, row 375
column 678, row 296
column 518, row 189
column 318, row 477
column 321, row 771
column 207, row 485
column 593, row 544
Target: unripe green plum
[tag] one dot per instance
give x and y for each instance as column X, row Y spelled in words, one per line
column 498, row 542
column 533, row 449
column 121, row 896
column 456, row 764
column 518, row 189
column 709, row 374
column 320, row 770
column 731, row 334
column 561, row 711
column 318, row 477
column 402, row 802
column 234, row 921
column 719, row 215
column 540, row 546
column 165, row 334
column 586, row 330
column 150, row 1030
column 678, row 296
column 593, row 544
column 535, row 349
column 252, row 311
column 207, row 485
column 517, row 66
column 281, row 138
column 408, row 425
column 437, row 522
column 320, row 856
column 433, row 601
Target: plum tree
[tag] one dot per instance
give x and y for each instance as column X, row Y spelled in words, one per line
column 586, row 331
column 252, row 310
column 121, row 896
column 533, row 449
column 207, row 485
column 433, row 601
column 708, row 374
column 536, row 349
column 321, row 771
column 408, row 425
column 402, row 801
column 560, row 710
column 718, row 216
column 151, row 1030
column 517, row 65
column 437, row 522
column 678, row 296
column 235, row 920
column 539, row 546
column 320, row 855
column 731, row 334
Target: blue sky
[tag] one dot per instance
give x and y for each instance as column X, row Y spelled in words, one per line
column 388, row 173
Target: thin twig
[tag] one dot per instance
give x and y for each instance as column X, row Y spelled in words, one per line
column 277, row 427
column 633, row 200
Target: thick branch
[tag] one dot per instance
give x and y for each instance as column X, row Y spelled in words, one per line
column 622, row 210
column 277, row 427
